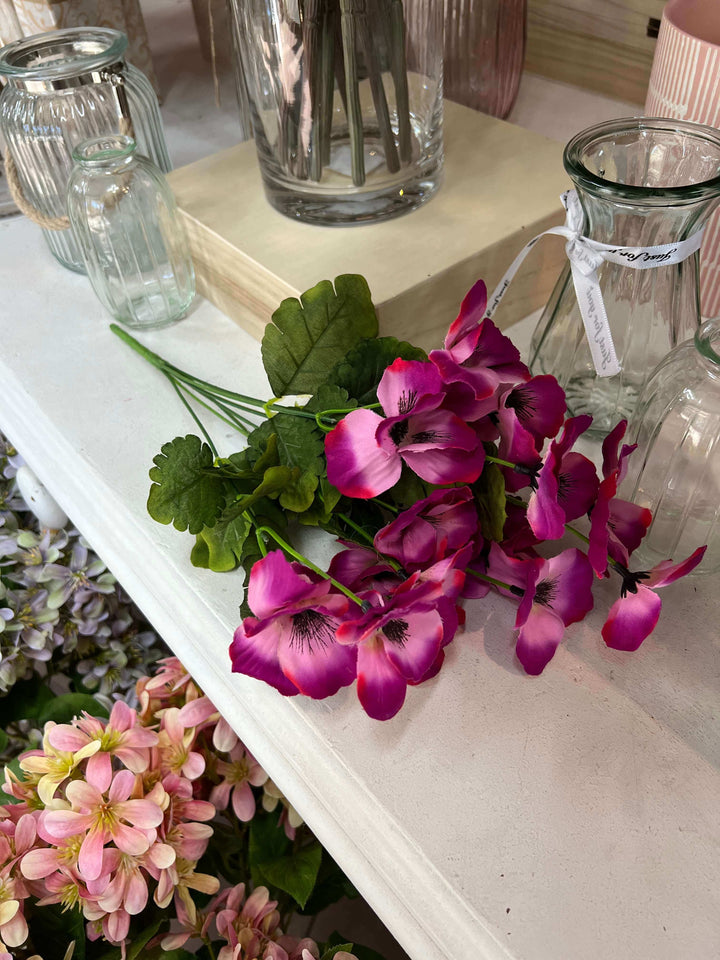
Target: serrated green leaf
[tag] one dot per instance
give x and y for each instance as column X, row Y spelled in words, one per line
column 185, row 491
column 219, row 547
column 307, row 337
column 361, row 370
column 331, row 886
column 300, row 442
column 409, row 489
column 330, row 397
column 299, row 493
column 63, row 708
column 489, row 490
column 320, row 512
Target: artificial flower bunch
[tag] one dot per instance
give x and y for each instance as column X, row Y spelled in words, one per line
column 63, row 616
column 111, row 818
column 442, row 477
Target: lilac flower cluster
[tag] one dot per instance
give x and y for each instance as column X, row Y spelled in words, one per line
column 61, row 610
column 384, row 613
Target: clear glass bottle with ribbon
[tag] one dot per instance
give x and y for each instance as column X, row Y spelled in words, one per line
column 643, row 190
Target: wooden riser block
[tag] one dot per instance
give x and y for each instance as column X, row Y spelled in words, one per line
column 501, row 187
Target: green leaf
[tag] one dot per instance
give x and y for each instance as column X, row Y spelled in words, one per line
column 295, row 874
column 141, row 940
column 307, row 337
column 53, row 929
column 25, row 702
column 331, row 886
column 489, row 490
column 361, row 370
column 362, row 953
column 63, row 708
column 267, row 839
column 299, row 493
column 185, row 490
column 409, row 489
column 321, row 510
column 331, row 397
column 300, row 442
column 220, row 547
column 338, row 948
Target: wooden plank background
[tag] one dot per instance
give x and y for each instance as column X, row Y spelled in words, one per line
column 599, row 44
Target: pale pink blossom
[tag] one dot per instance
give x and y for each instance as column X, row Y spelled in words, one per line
column 240, row 772
column 104, row 816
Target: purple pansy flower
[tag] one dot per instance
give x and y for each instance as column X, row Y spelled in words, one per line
column 557, row 592
column 616, row 526
column 431, row 528
column 527, row 414
column 634, row 616
column 398, row 641
column 567, row 484
column 365, row 452
column 290, row 643
column 360, row 568
column 476, row 352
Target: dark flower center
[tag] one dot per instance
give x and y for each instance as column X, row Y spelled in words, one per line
column 545, row 592
column 311, row 628
column 630, row 579
column 407, row 401
column 523, row 402
column 565, row 482
column 396, row 631
column 398, row 432
column 429, row 436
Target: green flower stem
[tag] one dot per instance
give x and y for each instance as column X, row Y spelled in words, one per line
column 209, row 947
column 363, row 533
column 386, row 506
column 195, row 417
column 516, row 591
column 518, row 467
column 202, row 386
column 351, row 523
column 308, row 563
column 227, row 416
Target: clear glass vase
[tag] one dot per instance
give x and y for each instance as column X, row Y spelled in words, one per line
column 130, row 234
column 675, row 471
column 484, row 53
column 346, row 105
column 641, row 182
column 64, row 87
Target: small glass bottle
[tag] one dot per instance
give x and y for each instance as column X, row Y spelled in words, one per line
column 675, row 471
column 642, row 182
column 132, row 240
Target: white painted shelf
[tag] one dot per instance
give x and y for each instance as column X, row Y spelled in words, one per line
column 572, row 816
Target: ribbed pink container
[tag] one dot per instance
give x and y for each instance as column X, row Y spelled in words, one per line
column 685, row 84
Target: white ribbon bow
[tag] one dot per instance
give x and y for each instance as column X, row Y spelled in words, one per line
column 586, row 257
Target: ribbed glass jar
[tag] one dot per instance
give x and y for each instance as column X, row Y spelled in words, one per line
column 484, row 53
column 675, row 471
column 642, row 182
column 62, row 88
column 130, row 234
column 346, row 105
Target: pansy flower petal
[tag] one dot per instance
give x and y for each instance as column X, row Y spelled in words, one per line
column 356, row 463
column 380, row 688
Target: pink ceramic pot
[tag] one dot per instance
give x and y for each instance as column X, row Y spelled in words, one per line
column 685, row 84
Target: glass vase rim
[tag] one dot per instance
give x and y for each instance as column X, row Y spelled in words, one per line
column 104, row 47
column 612, row 189
column 707, row 340
column 119, row 146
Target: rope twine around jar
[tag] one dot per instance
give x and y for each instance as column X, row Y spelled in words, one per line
column 26, row 207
